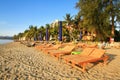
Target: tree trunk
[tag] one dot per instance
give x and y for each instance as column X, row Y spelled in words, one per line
column 112, row 16
column 113, row 28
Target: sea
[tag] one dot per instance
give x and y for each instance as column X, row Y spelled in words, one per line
column 5, row 41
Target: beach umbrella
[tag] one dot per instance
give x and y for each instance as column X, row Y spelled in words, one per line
column 80, row 35
column 35, row 39
column 60, row 31
column 46, row 34
column 40, row 36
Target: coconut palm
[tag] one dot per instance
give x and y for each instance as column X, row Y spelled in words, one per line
column 20, row 35
column 68, row 19
column 76, row 25
column 32, row 33
column 25, row 33
column 41, row 30
column 69, row 24
column 54, row 32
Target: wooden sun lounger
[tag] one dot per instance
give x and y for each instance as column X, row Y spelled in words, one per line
column 43, row 46
column 81, row 45
column 66, row 50
column 66, row 44
column 90, row 46
column 82, row 61
column 55, row 47
column 85, row 52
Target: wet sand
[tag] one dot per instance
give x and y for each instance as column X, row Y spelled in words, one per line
column 18, row 62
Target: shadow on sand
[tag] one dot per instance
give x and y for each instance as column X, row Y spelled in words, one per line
column 111, row 57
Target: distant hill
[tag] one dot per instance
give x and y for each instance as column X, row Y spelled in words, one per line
column 6, row 37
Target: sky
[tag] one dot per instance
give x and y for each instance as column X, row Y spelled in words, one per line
column 17, row 15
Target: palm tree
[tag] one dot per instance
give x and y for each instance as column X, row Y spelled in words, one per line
column 20, row 35
column 54, row 32
column 68, row 19
column 32, row 33
column 25, row 33
column 16, row 38
column 77, row 25
column 69, row 24
column 41, row 31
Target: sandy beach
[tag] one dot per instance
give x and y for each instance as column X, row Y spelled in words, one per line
column 19, row 62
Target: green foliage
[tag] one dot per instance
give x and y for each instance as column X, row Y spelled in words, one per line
column 54, row 32
column 32, row 33
column 15, row 37
column 42, row 30
column 117, row 35
column 68, row 19
column 96, row 16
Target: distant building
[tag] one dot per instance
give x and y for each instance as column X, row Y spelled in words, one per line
column 54, row 23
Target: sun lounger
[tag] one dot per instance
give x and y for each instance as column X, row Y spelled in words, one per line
column 55, row 47
column 81, row 45
column 66, row 50
column 90, row 46
column 43, row 46
column 85, row 52
column 65, row 44
column 82, row 61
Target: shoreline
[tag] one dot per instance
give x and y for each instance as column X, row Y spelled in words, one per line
column 18, row 61
column 5, row 41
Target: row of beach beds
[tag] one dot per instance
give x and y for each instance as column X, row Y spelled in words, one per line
column 81, row 44
column 78, row 55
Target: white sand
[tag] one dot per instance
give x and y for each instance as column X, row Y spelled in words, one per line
column 18, row 62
